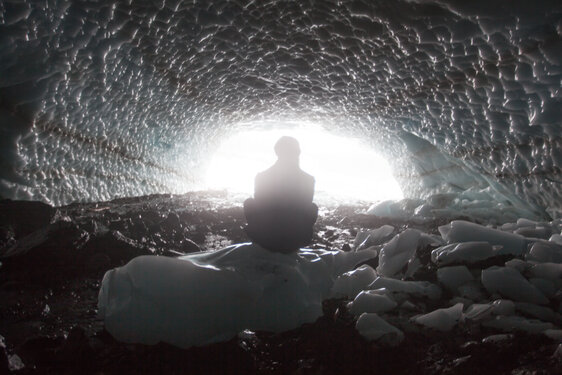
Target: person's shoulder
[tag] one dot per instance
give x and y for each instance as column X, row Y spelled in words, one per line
column 307, row 176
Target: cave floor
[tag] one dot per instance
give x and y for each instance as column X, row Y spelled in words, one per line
column 48, row 303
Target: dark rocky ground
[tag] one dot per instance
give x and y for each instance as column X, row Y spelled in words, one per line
column 49, row 287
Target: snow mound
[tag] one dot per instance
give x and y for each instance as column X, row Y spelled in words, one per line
column 209, row 297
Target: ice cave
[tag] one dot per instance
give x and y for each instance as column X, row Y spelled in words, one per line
column 131, row 131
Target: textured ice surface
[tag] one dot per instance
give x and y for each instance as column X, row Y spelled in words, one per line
column 209, row 297
column 105, row 99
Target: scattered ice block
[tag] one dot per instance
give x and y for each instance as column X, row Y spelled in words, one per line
column 503, row 307
column 374, row 328
column 556, row 238
column 464, row 252
column 540, row 312
column 479, row 311
column 545, row 251
column 510, row 283
column 389, row 208
column 396, row 253
column 549, row 271
column 497, row 338
column 555, row 334
column 369, row 301
column 209, row 297
column 471, row 290
column 547, row 287
column 517, row 323
column 414, row 288
column 518, row 264
column 365, row 239
column 464, row 231
column 351, row 283
column 442, row 319
column 453, row 277
column 536, row 232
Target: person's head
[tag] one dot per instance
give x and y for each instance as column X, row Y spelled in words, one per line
column 287, row 149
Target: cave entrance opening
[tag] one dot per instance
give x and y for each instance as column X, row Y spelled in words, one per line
column 346, row 169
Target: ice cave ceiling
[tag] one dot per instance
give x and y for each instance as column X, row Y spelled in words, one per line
column 100, row 99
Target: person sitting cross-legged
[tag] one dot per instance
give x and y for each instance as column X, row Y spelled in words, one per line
column 281, row 215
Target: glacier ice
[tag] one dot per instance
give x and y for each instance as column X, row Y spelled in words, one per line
column 211, row 296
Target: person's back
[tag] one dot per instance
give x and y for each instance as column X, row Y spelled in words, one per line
column 281, row 215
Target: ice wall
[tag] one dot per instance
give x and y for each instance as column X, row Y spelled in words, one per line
column 115, row 98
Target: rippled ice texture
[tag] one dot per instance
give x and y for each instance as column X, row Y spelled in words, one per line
column 105, row 99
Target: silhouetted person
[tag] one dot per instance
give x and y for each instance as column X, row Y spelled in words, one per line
column 281, row 215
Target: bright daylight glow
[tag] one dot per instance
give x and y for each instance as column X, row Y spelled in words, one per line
column 345, row 169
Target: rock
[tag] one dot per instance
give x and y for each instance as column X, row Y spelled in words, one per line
column 116, row 246
column 25, row 217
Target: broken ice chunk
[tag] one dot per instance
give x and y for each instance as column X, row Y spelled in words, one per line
column 453, row 277
column 555, row 334
column 365, row 239
column 374, row 328
column 464, row 231
column 539, row 312
column 414, row 288
column 351, row 283
column 510, row 283
column 465, row 252
column 549, row 271
column 544, row 251
column 370, row 301
column 547, row 287
column 497, row 338
column 479, row 311
column 396, row 253
column 556, row 238
column 442, row 319
column 471, row 290
column 517, row 323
